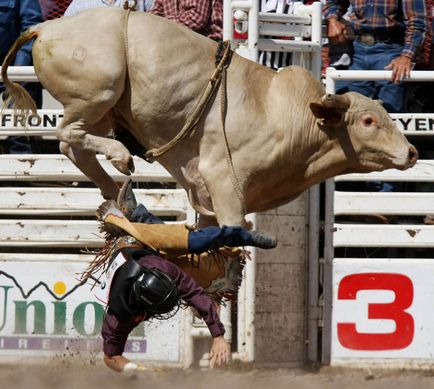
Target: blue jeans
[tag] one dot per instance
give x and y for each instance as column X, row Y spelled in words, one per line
column 204, row 239
column 376, row 57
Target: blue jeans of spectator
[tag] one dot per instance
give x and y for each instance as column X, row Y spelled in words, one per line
column 21, row 144
column 376, row 57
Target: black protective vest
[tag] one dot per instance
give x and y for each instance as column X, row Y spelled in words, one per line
column 120, row 290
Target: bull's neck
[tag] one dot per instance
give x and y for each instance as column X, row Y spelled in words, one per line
column 327, row 158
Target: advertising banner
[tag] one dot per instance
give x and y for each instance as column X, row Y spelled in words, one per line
column 44, row 311
column 382, row 309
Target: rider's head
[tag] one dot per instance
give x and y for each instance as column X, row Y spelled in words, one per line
column 136, row 290
column 154, row 292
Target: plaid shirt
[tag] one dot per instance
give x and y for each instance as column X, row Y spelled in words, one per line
column 406, row 18
column 202, row 16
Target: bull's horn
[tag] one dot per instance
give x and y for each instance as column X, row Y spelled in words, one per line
column 342, row 102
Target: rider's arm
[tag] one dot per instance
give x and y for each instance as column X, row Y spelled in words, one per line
column 115, row 334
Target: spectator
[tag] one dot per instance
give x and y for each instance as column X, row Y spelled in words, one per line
column 387, row 36
column 78, row 6
column 419, row 93
column 273, row 59
column 53, row 9
column 16, row 17
column 202, row 16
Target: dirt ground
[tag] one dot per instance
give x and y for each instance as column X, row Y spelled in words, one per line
column 68, row 374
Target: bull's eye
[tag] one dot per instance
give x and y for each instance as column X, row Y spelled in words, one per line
column 368, row 121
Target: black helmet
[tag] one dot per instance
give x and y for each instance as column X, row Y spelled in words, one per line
column 155, row 292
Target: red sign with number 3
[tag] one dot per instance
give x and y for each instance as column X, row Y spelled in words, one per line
column 403, row 335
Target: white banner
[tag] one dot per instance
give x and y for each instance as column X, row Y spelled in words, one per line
column 382, row 309
column 34, row 322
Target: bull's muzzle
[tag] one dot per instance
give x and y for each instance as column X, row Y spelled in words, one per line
column 413, row 155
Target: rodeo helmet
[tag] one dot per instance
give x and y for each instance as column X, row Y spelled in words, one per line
column 154, row 292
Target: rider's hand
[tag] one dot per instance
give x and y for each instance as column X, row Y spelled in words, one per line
column 220, row 352
column 119, row 363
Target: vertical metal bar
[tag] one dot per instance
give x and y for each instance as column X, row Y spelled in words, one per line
column 313, row 274
column 225, row 317
column 328, row 250
column 250, row 281
column 241, row 319
column 228, row 22
column 328, row 271
column 316, row 37
column 330, row 83
column 253, row 31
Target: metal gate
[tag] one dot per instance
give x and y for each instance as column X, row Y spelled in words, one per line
column 378, row 277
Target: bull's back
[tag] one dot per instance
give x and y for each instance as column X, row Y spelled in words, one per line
column 76, row 57
column 168, row 65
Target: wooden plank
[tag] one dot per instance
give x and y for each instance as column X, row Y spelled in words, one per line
column 278, row 29
column 50, row 233
column 423, row 171
column 84, row 201
column 54, row 167
column 36, row 257
column 278, row 45
column 395, row 260
column 44, row 123
column 386, row 203
column 380, row 235
column 284, row 18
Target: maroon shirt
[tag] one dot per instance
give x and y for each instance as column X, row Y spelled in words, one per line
column 115, row 331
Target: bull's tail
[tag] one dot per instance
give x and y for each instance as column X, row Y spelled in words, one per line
column 17, row 97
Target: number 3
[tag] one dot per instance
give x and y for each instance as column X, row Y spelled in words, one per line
column 403, row 335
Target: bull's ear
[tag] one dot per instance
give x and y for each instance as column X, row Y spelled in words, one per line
column 331, row 108
column 328, row 115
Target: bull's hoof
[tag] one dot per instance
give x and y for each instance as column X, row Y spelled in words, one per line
column 131, row 166
column 125, row 167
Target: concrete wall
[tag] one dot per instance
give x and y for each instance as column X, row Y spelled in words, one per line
column 280, row 287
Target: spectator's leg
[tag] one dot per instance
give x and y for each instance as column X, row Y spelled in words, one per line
column 19, row 145
column 361, row 62
column 392, row 95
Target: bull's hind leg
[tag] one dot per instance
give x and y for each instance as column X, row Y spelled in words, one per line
column 82, row 139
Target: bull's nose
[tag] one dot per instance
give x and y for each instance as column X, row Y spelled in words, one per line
column 413, row 155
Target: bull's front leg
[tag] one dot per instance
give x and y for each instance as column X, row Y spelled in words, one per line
column 88, row 164
column 227, row 193
column 81, row 141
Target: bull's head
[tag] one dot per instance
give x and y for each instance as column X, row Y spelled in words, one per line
column 368, row 136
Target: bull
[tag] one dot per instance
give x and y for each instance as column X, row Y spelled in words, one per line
column 282, row 133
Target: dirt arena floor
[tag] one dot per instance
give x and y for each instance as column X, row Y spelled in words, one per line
column 83, row 375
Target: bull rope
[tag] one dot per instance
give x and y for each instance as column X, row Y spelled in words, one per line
column 233, row 174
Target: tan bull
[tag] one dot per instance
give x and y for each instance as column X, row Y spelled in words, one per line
column 146, row 73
